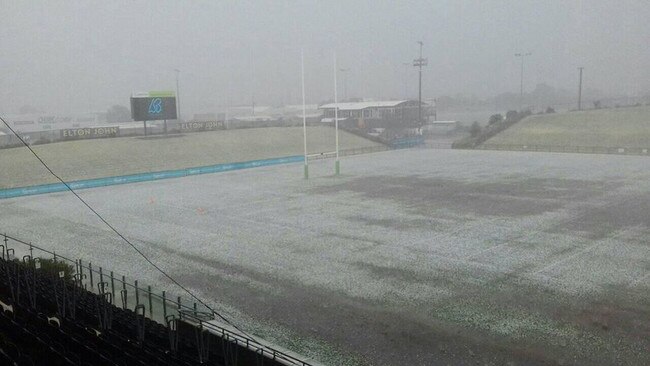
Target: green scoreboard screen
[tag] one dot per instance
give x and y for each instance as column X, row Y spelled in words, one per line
column 153, row 106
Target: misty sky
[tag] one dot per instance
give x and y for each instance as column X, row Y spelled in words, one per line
column 80, row 56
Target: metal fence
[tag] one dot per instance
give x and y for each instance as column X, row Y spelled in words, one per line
column 568, row 149
column 363, row 150
column 128, row 293
column 379, row 148
column 435, row 145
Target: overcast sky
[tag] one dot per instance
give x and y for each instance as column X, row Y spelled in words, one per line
column 78, row 56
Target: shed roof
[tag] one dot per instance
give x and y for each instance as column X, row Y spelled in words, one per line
column 352, row 106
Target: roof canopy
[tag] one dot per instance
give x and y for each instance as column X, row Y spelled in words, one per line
column 353, row 106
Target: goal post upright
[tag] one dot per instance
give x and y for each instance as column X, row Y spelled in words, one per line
column 304, row 112
column 337, row 165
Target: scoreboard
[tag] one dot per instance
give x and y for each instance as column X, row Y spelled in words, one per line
column 153, row 106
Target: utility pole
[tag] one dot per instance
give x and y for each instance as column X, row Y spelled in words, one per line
column 521, row 85
column 345, row 83
column 580, row 90
column 419, row 62
column 178, row 96
column 435, row 109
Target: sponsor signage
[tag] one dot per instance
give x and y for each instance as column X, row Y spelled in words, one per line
column 89, row 132
column 153, row 106
column 201, row 126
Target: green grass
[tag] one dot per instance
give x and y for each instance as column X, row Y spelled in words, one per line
column 619, row 127
column 84, row 159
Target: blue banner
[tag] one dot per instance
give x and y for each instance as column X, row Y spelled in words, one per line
column 144, row 177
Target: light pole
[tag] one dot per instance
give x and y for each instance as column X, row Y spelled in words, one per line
column 580, row 90
column 419, row 62
column 521, row 85
column 406, row 79
column 345, row 83
column 178, row 96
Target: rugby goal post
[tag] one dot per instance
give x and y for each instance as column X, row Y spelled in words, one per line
column 323, row 155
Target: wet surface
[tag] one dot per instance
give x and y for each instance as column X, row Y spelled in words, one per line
column 410, row 257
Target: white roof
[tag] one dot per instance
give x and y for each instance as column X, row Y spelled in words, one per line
column 328, row 120
column 362, row 105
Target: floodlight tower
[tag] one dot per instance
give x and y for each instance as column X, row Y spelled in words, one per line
column 419, row 62
column 521, row 85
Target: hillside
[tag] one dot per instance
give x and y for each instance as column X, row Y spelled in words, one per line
column 611, row 128
column 84, row 159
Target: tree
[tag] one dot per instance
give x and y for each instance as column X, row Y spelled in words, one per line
column 597, row 104
column 495, row 118
column 512, row 116
column 118, row 113
column 475, row 130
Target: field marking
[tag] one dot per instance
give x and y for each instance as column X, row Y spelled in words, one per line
column 639, row 280
column 486, row 250
column 567, row 258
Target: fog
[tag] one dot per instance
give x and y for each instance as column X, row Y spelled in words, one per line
column 83, row 56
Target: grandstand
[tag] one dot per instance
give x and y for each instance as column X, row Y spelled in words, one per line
column 52, row 314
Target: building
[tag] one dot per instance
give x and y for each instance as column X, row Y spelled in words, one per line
column 376, row 114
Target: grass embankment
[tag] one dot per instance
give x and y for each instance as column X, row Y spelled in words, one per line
column 86, row 159
column 612, row 128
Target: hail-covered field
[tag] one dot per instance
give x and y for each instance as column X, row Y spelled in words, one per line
column 411, row 257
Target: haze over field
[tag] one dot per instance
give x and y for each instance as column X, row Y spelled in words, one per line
column 284, row 165
column 80, row 56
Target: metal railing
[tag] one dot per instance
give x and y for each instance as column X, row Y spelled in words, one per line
column 159, row 305
column 130, row 293
column 568, row 149
column 241, row 340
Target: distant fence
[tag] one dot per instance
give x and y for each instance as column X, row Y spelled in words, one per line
column 568, row 149
column 436, row 145
column 363, row 150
